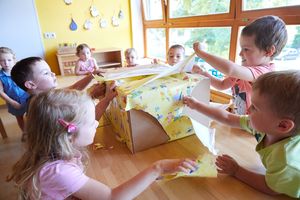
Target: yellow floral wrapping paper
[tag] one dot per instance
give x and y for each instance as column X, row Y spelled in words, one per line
column 161, row 98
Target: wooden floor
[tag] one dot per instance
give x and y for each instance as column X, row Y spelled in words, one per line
column 115, row 164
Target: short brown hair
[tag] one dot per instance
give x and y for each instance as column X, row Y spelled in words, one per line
column 268, row 31
column 282, row 89
column 22, row 71
column 80, row 47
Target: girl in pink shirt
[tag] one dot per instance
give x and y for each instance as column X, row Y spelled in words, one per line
column 86, row 64
column 61, row 123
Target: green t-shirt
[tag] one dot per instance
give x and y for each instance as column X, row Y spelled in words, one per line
column 281, row 160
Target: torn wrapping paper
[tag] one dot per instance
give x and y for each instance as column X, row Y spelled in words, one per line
column 205, row 168
column 160, row 96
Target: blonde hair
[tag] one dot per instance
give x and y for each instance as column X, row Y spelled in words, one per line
column 81, row 47
column 129, row 51
column 8, row 51
column 48, row 140
column 282, row 89
column 176, row 46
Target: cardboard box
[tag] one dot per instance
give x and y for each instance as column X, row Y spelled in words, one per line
column 139, row 126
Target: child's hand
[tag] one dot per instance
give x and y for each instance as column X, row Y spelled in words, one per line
column 99, row 71
column 197, row 70
column 155, row 61
column 97, row 90
column 170, row 166
column 199, row 46
column 227, row 165
column 110, row 91
column 191, row 102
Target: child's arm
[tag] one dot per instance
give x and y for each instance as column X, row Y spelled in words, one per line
column 227, row 67
column 78, row 70
column 217, row 114
column 227, row 165
column 110, row 93
column 82, row 83
column 215, row 82
column 7, row 99
column 133, row 187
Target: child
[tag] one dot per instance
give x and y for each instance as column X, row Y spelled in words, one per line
column 62, row 123
column 34, row 75
column 260, row 41
column 85, row 64
column 131, row 57
column 14, row 96
column 176, row 54
column 274, row 120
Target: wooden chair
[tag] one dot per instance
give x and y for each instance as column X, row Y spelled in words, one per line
column 2, row 130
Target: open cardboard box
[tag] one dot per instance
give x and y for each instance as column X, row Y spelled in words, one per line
column 149, row 111
column 140, row 130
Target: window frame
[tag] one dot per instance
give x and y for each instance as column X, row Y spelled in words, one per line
column 234, row 19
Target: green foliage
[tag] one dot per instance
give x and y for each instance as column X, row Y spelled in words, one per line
column 296, row 41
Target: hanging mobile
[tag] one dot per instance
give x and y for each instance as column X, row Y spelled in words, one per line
column 115, row 21
column 88, row 24
column 94, row 11
column 121, row 14
column 73, row 25
column 68, row 2
column 103, row 23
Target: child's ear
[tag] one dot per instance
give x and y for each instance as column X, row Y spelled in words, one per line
column 271, row 51
column 286, row 125
column 30, row 85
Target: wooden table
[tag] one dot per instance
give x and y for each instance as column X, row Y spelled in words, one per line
column 115, row 164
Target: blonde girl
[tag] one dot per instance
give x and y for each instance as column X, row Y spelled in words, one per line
column 131, row 57
column 15, row 97
column 61, row 123
column 86, row 64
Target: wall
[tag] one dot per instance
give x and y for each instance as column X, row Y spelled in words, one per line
column 20, row 30
column 55, row 16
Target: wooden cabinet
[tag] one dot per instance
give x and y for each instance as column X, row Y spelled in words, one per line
column 105, row 58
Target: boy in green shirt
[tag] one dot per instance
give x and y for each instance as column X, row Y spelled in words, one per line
column 274, row 120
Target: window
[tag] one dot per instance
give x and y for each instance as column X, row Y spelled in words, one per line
column 156, row 43
column 217, row 23
column 197, row 7
column 262, row 4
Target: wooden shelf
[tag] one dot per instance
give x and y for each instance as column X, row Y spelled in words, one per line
column 106, row 58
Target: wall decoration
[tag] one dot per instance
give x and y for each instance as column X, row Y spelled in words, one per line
column 94, row 11
column 73, row 25
column 115, row 21
column 68, row 2
column 103, row 23
column 88, row 24
column 121, row 14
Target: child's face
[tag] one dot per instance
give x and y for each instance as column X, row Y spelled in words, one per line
column 43, row 78
column 262, row 116
column 87, row 128
column 251, row 55
column 131, row 59
column 85, row 54
column 175, row 55
column 7, row 61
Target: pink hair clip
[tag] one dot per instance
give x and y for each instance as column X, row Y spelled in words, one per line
column 71, row 128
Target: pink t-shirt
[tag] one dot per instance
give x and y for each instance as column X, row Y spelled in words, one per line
column 242, row 90
column 60, row 179
column 88, row 66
